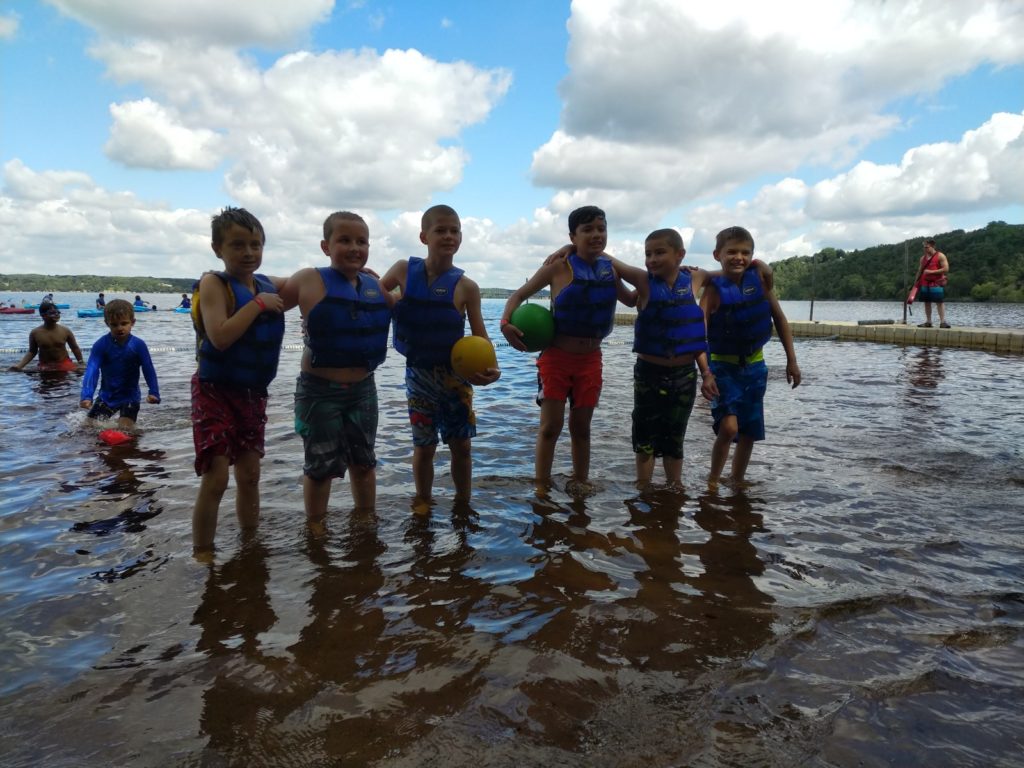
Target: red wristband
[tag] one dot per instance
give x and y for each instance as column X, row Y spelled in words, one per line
column 259, row 303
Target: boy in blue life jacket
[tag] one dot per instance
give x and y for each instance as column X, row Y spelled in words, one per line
column 118, row 357
column 436, row 300
column 346, row 316
column 584, row 290
column 239, row 329
column 740, row 309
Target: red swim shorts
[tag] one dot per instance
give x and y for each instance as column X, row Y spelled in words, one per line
column 226, row 421
column 67, row 364
column 569, row 376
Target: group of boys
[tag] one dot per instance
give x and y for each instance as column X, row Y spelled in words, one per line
column 347, row 312
column 723, row 336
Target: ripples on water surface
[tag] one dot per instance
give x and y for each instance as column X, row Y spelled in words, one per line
column 859, row 604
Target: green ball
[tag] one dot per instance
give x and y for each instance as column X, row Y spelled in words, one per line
column 537, row 324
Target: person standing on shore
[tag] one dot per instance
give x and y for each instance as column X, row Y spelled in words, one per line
column 931, row 279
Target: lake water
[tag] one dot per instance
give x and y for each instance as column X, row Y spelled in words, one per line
column 861, row 603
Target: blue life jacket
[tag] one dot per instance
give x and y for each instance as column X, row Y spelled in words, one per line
column 586, row 307
column 251, row 361
column 348, row 328
column 427, row 324
column 672, row 323
column 742, row 324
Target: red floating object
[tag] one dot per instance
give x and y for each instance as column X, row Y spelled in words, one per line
column 114, row 437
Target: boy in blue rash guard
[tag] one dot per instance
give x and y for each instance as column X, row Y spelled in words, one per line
column 740, row 308
column 584, row 290
column 117, row 357
column 436, row 299
column 345, row 320
column 668, row 339
column 239, row 330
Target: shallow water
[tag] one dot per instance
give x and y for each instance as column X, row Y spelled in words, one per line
column 859, row 604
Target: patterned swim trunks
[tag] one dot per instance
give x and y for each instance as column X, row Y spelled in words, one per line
column 337, row 423
column 439, row 403
column 226, row 421
column 662, row 402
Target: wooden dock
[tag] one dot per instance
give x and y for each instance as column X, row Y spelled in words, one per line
column 998, row 340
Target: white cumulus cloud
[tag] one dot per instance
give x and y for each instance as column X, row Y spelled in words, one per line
column 145, row 134
column 253, row 22
column 667, row 102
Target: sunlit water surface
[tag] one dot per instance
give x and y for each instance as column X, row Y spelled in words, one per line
column 859, row 604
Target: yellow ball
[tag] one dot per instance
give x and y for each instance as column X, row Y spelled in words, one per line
column 473, row 354
column 536, row 323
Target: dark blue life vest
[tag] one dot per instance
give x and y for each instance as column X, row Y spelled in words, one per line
column 427, row 324
column 672, row 323
column 586, row 307
column 348, row 328
column 251, row 361
column 742, row 324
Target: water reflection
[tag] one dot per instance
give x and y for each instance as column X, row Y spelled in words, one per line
column 234, row 611
column 700, row 594
column 924, row 375
column 121, row 490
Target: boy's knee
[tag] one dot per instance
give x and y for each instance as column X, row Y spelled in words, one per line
column 550, row 433
column 247, row 475
column 727, row 431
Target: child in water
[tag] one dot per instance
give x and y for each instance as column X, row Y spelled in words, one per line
column 51, row 342
column 740, row 307
column 239, row 330
column 345, row 321
column 437, row 299
column 117, row 357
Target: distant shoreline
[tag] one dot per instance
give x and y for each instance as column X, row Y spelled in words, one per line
column 33, row 283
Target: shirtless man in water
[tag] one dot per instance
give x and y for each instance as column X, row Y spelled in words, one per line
column 50, row 341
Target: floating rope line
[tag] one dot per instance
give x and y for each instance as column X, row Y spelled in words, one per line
column 293, row 347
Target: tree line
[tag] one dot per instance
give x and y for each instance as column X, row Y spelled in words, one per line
column 984, row 265
column 95, row 284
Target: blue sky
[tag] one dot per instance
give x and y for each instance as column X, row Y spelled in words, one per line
column 124, row 125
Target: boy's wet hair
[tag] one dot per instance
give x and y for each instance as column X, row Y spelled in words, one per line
column 46, row 307
column 930, row 242
column 435, row 212
column 584, row 215
column 115, row 309
column 340, row 216
column 670, row 236
column 733, row 235
column 220, row 224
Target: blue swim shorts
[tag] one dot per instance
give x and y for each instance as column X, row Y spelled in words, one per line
column 935, row 294
column 741, row 391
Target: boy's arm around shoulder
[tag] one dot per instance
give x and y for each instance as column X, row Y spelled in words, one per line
column 785, row 336
column 303, row 289
column 634, row 276
column 288, row 299
column 222, row 330
column 396, row 276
